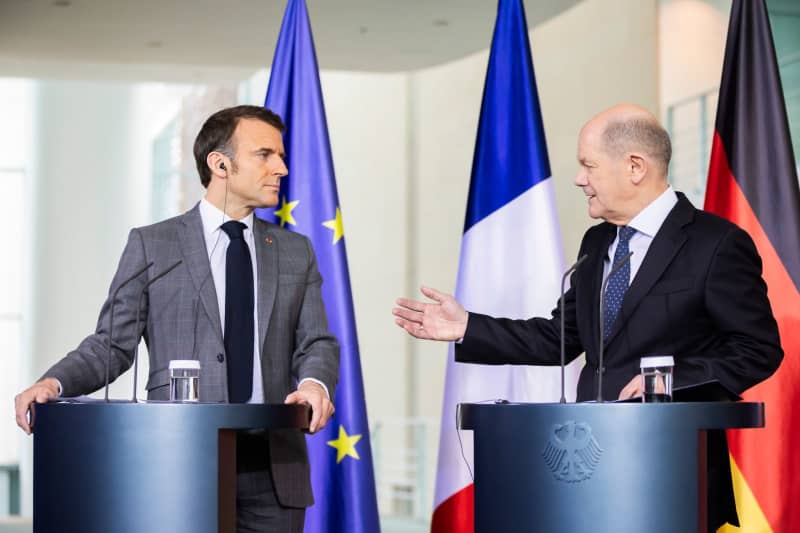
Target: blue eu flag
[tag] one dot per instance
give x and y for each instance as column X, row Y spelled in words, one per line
column 340, row 455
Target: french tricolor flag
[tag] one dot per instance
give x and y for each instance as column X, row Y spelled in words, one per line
column 511, row 258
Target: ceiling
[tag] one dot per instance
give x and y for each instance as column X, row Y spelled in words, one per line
column 198, row 40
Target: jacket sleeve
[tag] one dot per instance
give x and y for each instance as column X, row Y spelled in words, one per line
column 83, row 370
column 534, row 341
column 316, row 354
column 749, row 348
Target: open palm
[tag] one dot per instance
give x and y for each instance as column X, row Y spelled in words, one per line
column 443, row 320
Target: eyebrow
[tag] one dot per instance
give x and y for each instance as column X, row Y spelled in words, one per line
column 270, row 151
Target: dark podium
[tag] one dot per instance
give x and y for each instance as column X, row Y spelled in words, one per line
column 595, row 468
column 145, row 467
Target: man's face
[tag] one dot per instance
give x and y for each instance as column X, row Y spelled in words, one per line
column 603, row 179
column 258, row 165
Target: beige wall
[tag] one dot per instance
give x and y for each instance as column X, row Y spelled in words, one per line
column 691, row 46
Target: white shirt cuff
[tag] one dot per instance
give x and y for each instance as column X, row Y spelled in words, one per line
column 318, row 382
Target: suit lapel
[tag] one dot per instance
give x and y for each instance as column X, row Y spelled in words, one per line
column 195, row 254
column 666, row 244
column 594, row 278
column 267, row 268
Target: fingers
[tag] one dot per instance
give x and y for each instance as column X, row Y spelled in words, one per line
column 316, row 413
column 411, row 304
column 294, row 397
column 632, row 389
column 40, row 392
column 414, row 329
column 412, row 316
column 21, row 408
column 321, row 407
column 433, row 294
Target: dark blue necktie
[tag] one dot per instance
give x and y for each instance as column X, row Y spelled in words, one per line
column 239, row 327
column 618, row 284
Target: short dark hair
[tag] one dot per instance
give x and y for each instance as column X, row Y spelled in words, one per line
column 217, row 132
column 623, row 136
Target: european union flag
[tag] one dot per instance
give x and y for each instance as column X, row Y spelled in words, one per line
column 340, row 455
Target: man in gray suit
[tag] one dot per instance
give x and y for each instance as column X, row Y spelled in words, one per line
column 245, row 301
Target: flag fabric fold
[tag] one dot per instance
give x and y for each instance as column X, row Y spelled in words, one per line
column 340, row 455
column 511, row 259
column 752, row 181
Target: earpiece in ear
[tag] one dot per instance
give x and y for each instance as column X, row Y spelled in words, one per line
column 222, row 166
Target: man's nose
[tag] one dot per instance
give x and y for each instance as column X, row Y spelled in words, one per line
column 281, row 169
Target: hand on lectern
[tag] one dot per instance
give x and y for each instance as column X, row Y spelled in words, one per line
column 312, row 394
column 443, row 320
column 633, row 389
column 39, row 392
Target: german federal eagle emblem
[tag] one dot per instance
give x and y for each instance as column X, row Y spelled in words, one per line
column 572, row 453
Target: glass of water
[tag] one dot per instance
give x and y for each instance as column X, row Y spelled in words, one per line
column 184, row 380
column 657, row 378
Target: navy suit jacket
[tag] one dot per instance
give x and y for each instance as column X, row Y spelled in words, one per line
column 698, row 296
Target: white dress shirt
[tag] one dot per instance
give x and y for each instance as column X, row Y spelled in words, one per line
column 217, row 246
column 646, row 223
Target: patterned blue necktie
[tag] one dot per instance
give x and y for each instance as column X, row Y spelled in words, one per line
column 618, row 284
column 239, row 322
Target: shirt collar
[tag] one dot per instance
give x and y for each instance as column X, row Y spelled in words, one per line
column 650, row 219
column 213, row 218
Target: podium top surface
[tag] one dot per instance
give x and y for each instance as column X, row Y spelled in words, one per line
column 677, row 415
column 208, row 415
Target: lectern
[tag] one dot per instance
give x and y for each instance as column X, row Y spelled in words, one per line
column 142, row 468
column 594, row 468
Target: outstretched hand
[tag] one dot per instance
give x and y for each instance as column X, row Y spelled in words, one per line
column 443, row 320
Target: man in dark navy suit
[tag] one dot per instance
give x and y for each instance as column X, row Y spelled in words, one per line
column 692, row 288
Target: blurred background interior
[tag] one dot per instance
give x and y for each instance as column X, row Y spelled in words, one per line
column 100, row 101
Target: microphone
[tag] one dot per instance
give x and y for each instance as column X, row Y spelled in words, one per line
column 569, row 271
column 138, row 321
column 111, row 316
column 600, row 369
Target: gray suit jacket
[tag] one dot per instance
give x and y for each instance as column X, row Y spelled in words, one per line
column 180, row 320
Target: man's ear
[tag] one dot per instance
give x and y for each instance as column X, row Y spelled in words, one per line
column 219, row 164
column 637, row 168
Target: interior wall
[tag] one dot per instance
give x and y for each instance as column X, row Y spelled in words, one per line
column 691, row 47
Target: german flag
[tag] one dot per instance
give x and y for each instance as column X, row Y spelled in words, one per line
column 752, row 181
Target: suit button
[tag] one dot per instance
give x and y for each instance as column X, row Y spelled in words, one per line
column 220, row 357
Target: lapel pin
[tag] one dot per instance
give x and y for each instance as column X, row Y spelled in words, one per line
column 268, row 240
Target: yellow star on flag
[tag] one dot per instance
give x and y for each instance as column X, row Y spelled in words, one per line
column 285, row 212
column 345, row 445
column 335, row 225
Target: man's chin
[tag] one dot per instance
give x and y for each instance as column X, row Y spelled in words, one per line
column 268, row 201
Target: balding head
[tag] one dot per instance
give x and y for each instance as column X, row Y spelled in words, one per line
column 628, row 128
column 623, row 154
